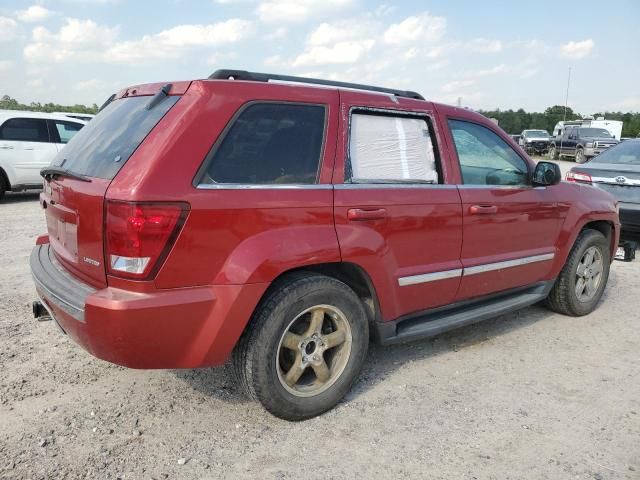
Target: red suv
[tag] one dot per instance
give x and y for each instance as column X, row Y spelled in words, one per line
column 284, row 221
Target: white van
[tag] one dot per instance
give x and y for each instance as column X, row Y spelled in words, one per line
column 28, row 143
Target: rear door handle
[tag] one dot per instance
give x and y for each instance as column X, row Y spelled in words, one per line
column 482, row 209
column 364, row 214
column 6, row 147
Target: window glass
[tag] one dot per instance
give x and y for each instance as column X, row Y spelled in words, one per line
column 270, row 143
column 102, row 146
column 486, row 159
column 625, row 153
column 66, row 130
column 391, row 148
column 25, row 130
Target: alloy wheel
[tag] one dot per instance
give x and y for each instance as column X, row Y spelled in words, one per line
column 314, row 351
column 589, row 274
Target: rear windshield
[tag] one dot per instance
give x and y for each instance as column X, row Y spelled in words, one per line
column 627, row 152
column 103, row 146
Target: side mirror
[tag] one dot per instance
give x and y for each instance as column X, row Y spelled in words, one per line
column 547, row 173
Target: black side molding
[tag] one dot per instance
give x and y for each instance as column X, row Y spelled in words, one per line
column 439, row 320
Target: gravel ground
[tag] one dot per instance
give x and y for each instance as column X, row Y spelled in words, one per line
column 529, row 395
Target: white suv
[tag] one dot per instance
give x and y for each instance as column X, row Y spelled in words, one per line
column 28, row 143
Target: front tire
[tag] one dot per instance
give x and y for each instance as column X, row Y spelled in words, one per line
column 3, row 185
column 553, row 153
column 580, row 158
column 304, row 347
column 583, row 278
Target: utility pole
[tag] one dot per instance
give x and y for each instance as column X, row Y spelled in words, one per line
column 566, row 102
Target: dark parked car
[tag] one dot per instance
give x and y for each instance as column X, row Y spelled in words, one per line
column 581, row 143
column 616, row 171
column 284, row 225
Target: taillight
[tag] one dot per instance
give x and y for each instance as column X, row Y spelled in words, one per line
column 140, row 235
column 578, row 177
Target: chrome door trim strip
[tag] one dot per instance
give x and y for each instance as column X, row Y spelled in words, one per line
column 257, row 186
column 463, row 272
column 429, row 277
column 359, row 186
column 490, row 267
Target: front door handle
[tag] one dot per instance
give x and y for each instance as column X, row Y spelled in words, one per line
column 482, row 209
column 356, row 214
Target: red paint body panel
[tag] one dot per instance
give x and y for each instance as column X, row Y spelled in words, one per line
column 74, row 211
column 236, row 241
column 182, row 328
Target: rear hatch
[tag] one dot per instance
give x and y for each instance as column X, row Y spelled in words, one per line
column 74, row 196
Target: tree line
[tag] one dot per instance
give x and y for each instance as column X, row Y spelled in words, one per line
column 514, row 121
column 8, row 103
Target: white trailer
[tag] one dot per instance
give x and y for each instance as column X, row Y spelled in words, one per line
column 614, row 127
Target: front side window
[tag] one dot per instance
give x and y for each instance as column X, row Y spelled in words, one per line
column 486, row 159
column 25, row 130
column 387, row 148
column 270, row 143
column 66, row 130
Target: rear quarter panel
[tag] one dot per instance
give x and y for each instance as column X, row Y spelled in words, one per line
column 232, row 235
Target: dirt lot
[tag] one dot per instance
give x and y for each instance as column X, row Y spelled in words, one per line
column 530, row 395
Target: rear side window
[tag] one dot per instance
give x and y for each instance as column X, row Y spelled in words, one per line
column 25, row 130
column 270, row 143
column 66, row 130
column 486, row 159
column 102, row 146
column 385, row 148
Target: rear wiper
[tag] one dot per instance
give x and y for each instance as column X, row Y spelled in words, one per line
column 158, row 97
column 49, row 172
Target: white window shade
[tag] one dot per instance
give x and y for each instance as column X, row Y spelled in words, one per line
column 391, row 148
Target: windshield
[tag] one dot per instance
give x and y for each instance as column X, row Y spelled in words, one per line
column 108, row 140
column 537, row 133
column 625, row 153
column 594, row 132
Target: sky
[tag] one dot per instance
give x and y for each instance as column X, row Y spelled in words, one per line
column 490, row 54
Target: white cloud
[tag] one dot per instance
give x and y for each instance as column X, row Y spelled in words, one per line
column 482, row 45
column 77, row 39
column 174, row 41
column 577, row 49
column 341, row 52
column 84, row 40
column 416, row 29
column 292, row 11
column 488, row 71
column 8, row 29
column 6, row 65
column 35, row 13
column 340, row 31
column 457, row 85
column 277, row 34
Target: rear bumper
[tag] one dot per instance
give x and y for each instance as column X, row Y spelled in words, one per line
column 175, row 328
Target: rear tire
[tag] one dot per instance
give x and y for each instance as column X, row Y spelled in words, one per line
column 583, row 278
column 304, row 348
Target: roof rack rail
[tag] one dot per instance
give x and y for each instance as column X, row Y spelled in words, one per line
column 265, row 77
